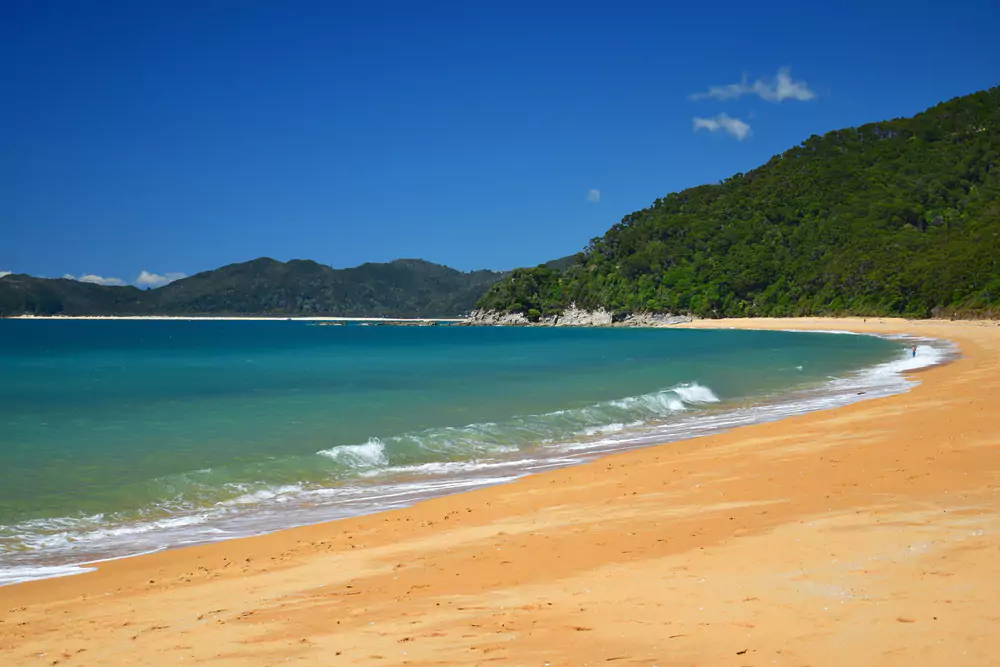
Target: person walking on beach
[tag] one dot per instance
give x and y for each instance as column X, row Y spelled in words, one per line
column 914, row 350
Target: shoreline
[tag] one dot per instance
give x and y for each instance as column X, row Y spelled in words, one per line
column 292, row 506
column 233, row 318
column 476, row 569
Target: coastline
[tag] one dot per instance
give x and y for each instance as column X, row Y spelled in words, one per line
column 233, row 318
column 371, row 480
column 680, row 529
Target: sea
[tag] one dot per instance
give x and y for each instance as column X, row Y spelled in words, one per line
column 126, row 437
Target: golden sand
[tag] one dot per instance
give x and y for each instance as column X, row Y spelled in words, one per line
column 865, row 535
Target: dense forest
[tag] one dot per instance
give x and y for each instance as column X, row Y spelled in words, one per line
column 404, row 288
column 900, row 217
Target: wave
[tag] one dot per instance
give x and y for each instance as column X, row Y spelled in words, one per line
column 518, row 433
column 695, row 393
column 369, row 455
column 926, row 355
column 191, row 505
column 877, row 381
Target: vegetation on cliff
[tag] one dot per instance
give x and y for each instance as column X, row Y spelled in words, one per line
column 900, row 217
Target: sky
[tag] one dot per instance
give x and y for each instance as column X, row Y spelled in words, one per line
column 144, row 141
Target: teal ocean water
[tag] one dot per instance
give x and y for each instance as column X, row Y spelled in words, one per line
column 120, row 437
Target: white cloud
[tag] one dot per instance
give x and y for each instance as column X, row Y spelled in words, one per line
column 780, row 89
column 147, row 279
column 594, row 196
column 4, row 273
column 732, row 126
column 97, row 280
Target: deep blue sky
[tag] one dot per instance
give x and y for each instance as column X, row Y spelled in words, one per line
column 176, row 136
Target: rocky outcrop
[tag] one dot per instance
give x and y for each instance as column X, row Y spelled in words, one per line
column 653, row 320
column 494, row 318
column 575, row 317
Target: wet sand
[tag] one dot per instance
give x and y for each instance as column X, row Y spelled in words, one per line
column 865, row 535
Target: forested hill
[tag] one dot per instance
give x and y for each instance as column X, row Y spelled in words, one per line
column 403, row 288
column 899, row 217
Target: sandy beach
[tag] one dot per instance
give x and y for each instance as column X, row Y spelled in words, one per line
column 864, row 535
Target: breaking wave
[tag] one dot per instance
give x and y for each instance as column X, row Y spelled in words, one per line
column 518, row 433
column 369, row 455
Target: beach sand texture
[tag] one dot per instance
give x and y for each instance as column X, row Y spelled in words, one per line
column 865, row 535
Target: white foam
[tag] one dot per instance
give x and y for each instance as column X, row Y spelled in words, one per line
column 277, row 493
column 495, row 439
column 369, row 455
column 457, row 467
column 20, row 574
column 839, row 332
column 927, row 355
column 657, row 403
column 607, row 428
column 881, row 380
column 55, row 533
column 695, row 393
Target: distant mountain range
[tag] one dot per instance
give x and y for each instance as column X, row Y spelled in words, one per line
column 403, row 288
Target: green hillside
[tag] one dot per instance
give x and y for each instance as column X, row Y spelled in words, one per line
column 900, row 217
column 404, row 288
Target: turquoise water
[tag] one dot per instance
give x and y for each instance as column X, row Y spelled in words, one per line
column 120, row 436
